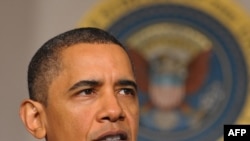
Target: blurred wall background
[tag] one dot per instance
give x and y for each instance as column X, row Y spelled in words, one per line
column 24, row 26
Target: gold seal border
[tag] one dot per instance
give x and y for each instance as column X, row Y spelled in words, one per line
column 227, row 12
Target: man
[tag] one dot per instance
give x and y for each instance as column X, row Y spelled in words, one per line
column 82, row 88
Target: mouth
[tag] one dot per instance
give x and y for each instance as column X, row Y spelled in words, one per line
column 113, row 136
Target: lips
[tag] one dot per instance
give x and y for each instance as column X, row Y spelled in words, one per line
column 113, row 136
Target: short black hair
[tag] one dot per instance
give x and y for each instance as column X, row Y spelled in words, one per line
column 45, row 65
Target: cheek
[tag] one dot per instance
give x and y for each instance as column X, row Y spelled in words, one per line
column 71, row 120
column 81, row 118
column 132, row 113
column 133, row 120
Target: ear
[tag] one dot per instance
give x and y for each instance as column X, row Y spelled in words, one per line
column 33, row 116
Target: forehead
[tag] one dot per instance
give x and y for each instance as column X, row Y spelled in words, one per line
column 85, row 56
column 83, row 51
column 93, row 48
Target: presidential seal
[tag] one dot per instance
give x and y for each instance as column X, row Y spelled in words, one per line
column 191, row 62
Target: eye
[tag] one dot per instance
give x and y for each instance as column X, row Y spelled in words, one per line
column 89, row 91
column 127, row 91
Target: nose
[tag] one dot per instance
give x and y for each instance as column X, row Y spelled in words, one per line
column 110, row 109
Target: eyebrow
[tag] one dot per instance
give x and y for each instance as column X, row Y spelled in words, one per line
column 127, row 83
column 93, row 83
column 82, row 83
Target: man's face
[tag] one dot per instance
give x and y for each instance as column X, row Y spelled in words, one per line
column 94, row 97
